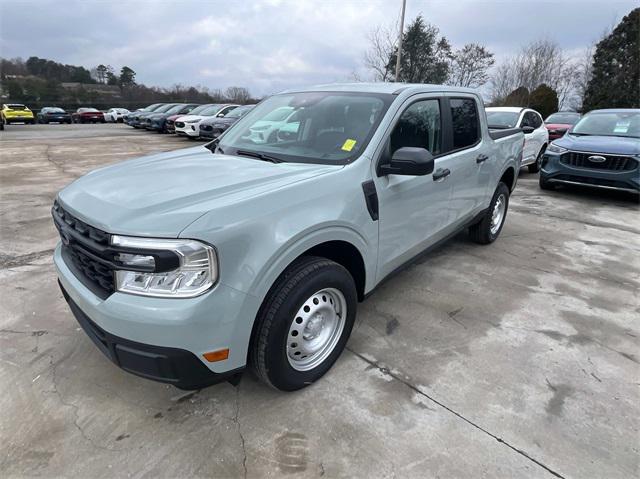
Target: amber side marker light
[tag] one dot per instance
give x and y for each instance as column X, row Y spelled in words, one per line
column 219, row 355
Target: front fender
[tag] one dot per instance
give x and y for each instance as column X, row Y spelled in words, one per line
column 303, row 242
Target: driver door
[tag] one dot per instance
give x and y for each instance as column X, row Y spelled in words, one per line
column 413, row 209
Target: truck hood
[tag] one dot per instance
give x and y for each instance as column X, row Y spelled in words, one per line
column 193, row 117
column 613, row 145
column 160, row 195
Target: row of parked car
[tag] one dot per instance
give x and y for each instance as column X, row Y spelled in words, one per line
column 19, row 113
column 191, row 120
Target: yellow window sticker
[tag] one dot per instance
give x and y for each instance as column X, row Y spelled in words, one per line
column 349, row 144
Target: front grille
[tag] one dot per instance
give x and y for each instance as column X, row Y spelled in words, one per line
column 84, row 250
column 610, row 163
column 206, row 127
column 179, row 124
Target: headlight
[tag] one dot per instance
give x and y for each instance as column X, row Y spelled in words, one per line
column 191, row 121
column 553, row 148
column 140, row 273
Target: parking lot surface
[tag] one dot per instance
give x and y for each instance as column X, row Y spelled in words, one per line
column 518, row 359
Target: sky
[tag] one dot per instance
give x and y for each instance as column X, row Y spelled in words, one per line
column 271, row 45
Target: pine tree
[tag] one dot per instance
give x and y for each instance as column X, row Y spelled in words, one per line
column 616, row 68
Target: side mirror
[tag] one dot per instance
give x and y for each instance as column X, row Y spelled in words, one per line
column 527, row 130
column 220, row 115
column 409, row 161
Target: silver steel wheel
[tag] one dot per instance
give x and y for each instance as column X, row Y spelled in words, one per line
column 316, row 329
column 497, row 216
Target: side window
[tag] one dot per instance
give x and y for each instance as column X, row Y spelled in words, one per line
column 537, row 120
column 419, row 126
column 464, row 122
column 529, row 119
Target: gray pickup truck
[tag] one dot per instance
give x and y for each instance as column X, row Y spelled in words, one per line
column 185, row 267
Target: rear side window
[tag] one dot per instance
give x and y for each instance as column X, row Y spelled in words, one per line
column 419, row 126
column 464, row 122
column 537, row 120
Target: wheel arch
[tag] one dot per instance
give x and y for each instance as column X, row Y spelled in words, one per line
column 508, row 177
column 343, row 251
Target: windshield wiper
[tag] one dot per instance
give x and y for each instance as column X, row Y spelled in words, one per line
column 259, row 156
column 580, row 134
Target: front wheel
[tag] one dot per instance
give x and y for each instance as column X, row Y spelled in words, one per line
column 544, row 184
column 535, row 167
column 489, row 227
column 304, row 323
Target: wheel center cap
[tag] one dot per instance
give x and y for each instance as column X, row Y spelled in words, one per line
column 314, row 326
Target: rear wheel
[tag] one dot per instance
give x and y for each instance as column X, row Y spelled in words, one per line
column 489, row 227
column 304, row 324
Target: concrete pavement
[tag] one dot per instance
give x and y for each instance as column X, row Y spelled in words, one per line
column 518, row 359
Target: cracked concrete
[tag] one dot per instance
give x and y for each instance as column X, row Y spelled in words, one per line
column 519, row 359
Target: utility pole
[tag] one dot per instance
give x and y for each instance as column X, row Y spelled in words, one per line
column 404, row 4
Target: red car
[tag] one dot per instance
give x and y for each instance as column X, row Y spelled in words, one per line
column 87, row 115
column 558, row 123
column 170, row 125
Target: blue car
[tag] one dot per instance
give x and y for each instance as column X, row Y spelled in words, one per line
column 602, row 150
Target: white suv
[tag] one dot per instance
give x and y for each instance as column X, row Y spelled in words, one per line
column 189, row 125
column 536, row 135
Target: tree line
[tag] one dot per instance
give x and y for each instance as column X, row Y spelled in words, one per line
column 540, row 75
column 41, row 82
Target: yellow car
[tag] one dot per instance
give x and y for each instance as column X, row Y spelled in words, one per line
column 15, row 112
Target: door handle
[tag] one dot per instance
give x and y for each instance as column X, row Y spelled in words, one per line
column 481, row 158
column 441, row 174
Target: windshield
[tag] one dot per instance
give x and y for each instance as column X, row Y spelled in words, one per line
column 238, row 112
column 625, row 124
column 212, row 110
column 165, row 108
column 502, row 119
column 152, row 107
column 176, row 109
column 87, row 110
column 199, row 109
column 15, row 106
column 309, row 127
column 54, row 110
column 563, row 118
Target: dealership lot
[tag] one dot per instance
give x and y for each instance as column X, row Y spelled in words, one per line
column 514, row 359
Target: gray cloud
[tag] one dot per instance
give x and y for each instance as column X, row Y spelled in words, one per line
column 273, row 44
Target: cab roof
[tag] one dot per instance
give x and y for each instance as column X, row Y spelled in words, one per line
column 383, row 87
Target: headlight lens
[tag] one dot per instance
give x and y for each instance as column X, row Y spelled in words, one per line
column 553, row 148
column 196, row 273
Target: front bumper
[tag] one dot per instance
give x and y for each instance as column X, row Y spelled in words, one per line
column 159, row 337
column 169, row 365
column 189, row 129
column 553, row 170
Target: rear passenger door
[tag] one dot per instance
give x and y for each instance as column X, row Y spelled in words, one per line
column 466, row 156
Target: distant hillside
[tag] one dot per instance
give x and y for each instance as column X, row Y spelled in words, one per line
column 39, row 82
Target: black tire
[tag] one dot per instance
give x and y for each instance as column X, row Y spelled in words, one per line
column 535, row 167
column 268, row 351
column 481, row 231
column 545, row 185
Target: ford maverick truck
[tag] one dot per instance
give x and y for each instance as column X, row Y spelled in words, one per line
column 188, row 267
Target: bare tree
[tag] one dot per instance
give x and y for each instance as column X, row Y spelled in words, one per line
column 237, row 94
column 469, row 66
column 542, row 61
column 583, row 70
column 382, row 41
